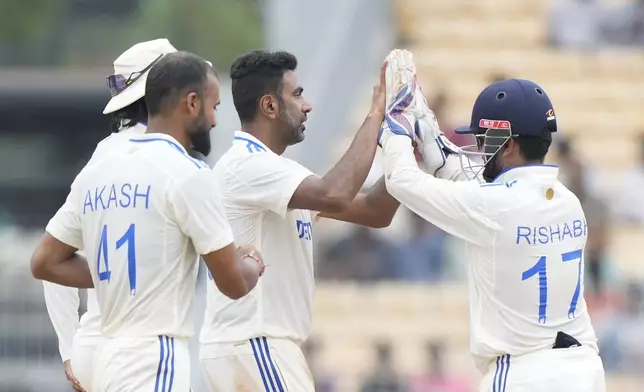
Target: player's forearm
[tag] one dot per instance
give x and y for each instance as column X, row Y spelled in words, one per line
column 71, row 272
column 242, row 283
column 376, row 208
column 349, row 174
column 380, row 205
column 235, row 270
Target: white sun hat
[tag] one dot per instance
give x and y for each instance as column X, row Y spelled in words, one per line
column 127, row 84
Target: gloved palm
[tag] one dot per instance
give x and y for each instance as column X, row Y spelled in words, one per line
column 409, row 114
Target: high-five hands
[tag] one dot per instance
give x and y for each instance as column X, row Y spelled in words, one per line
column 400, row 90
column 409, row 114
column 378, row 99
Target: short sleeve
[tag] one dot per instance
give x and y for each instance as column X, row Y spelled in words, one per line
column 270, row 181
column 65, row 226
column 199, row 212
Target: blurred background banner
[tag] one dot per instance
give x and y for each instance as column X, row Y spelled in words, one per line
column 391, row 308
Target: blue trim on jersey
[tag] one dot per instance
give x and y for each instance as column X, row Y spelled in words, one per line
column 507, row 370
column 489, row 184
column 501, row 374
column 196, row 162
column 167, row 357
column 496, row 375
column 250, row 143
column 266, row 369
column 259, row 366
column 166, row 349
column 500, row 379
column 270, row 360
column 161, row 357
column 172, row 368
column 518, row 167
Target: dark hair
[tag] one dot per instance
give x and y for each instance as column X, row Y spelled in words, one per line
column 534, row 148
column 172, row 76
column 129, row 116
column 256, row 74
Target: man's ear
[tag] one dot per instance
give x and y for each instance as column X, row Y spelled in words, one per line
column 510, row 147
column 269, row 106
column 192, row 103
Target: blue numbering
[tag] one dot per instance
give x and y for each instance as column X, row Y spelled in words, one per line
column 127, row 238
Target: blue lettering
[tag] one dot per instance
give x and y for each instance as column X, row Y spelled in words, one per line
column 146, row 195
column 557, row 232
column 534, row 235
column 126, row 195
column 546, row 234
column 112, row 197
column 309, row 231
column 566, row 231
column 543, row 235
column 88, row 202
column 524, row 232
column 99, row 197
column 304, row 229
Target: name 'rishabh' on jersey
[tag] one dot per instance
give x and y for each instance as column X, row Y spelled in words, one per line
column 139, row 213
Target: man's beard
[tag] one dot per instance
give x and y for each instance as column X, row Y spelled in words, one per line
column 492, row 168
column 199, row 133
column 293, row 133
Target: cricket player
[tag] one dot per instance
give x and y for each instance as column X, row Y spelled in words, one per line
column 525, row 234
column 254, row 344
column 142, row 214
column 77, row 341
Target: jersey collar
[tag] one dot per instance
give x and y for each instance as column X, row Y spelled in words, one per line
column 160, row 136
column 138, row 129
column 538, row 173
column 252, row 143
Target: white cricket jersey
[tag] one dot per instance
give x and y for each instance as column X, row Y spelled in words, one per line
column 142, row 214
column 257, row 186
column 62, row 302
column 525, row 235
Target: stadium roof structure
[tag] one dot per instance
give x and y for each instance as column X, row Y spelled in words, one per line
column 46, row 87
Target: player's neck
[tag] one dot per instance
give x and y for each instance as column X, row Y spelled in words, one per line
column 535, row 162
column 169, row 127
column 265, row 135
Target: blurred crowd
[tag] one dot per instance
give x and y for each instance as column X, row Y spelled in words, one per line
column 592, row 24
column 384, row 376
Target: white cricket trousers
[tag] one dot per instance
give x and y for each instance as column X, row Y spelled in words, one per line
column 142, row 364
column 575, row 369
column 256, row 365
column 82, row 361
